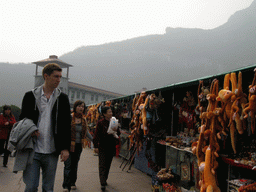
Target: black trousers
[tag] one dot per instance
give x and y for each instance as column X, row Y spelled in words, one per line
column 2, row 142
column 3, row 149
column 71, row 167
column 105, row 160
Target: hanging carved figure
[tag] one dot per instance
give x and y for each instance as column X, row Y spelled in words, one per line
column 251, row 106
column 224, row 97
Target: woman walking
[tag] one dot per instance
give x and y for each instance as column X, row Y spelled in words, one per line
column 105, row 145
column 6, row 122
column 79, row 131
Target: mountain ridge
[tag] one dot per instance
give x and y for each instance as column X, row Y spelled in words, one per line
column 158, row 60
column 177, row 49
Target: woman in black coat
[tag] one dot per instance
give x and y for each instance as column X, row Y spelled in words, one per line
column 105, row 145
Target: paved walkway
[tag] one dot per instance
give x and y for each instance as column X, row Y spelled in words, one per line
column 88, row 177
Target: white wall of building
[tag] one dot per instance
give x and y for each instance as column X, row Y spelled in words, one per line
column 88, row 97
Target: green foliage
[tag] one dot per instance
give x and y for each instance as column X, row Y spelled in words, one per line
column 15, row 111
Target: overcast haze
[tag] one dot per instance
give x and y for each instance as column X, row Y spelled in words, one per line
column 33, row 30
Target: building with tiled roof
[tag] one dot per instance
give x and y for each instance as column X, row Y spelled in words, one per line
column 89, row 94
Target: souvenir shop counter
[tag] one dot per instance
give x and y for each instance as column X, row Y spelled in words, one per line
column 239, row 172
column 241, row 164
column 183, row 163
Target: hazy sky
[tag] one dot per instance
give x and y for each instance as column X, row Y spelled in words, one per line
column 31, row 30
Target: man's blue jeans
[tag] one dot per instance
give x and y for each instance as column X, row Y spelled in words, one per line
column 31, row 176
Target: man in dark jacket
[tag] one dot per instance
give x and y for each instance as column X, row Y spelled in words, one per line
column 49, row 109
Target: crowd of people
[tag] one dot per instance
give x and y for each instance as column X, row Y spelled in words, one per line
column 54, row 130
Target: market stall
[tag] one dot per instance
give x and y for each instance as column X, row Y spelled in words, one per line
column 201, row 131
column 234, row 139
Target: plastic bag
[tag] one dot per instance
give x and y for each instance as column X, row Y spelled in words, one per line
column 113, row 126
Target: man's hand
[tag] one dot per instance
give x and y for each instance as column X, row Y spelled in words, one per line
column 35, row 133
column 7, row 123
column 64, row 155
column 96, row 150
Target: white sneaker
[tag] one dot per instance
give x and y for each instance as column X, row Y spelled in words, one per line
column 65, row 190
column 73, row 187
column 13, row 154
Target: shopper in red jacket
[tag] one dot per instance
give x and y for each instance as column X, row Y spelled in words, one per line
column 6, row 122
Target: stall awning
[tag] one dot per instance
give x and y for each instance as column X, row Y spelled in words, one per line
column 191, row 82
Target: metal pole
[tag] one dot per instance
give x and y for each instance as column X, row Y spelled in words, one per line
column 228, row 176
column 67, row 71
column 133, row 153
column 131, row 161
column 36, row 68
column 172, row 114
column 126, row 156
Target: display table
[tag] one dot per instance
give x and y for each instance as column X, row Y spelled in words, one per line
column 184, row 163
column 232, row 164
column 237, row 164
column 160, row 155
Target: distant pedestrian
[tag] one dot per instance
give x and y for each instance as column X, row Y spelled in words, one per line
column 79, row 132
column 105, row 145
column 6, row 122
column 49, row 109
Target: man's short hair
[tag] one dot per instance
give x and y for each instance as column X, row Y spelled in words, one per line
column 50, row 67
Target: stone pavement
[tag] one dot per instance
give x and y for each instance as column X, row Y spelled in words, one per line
column 88, row 177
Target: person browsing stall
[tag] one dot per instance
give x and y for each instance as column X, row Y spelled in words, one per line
column 105, row 145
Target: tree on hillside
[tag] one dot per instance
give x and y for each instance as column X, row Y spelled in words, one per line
column 15, row 111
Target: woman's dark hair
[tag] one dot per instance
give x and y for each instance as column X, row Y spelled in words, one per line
column 5, row 108
column 104, row 109
column 79, row 102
